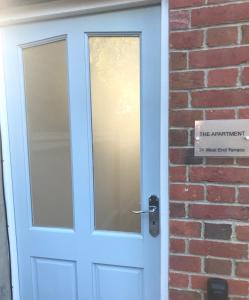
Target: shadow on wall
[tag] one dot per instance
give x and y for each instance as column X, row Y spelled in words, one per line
column 5, row 290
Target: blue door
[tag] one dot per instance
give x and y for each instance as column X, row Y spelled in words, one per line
column 83, row 102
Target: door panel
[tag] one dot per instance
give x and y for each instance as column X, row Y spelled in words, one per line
column 69, row 257
column 45, row 271
column 111, row 281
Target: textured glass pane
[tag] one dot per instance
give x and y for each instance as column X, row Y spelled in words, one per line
column 115, row 91
column 45, row 75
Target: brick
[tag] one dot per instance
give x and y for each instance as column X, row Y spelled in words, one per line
column 242, row 269
column 177, row 210
column 242, row 233
column 244, row 113
column 184, row 295
column 244, row 161
column 220, row 114
column 177, row 174
column 178, row 60
column 223, row 77
column 178, row 137
column 220, row 98
column 185, row 228
column 222, row 36
column 220, row 194
column 243, row 196
column 245, row 76
column 179, row 19
column 218, row 249
column 178, row 99
column 184, row 156
column 238, row 287
column 218, row 266
column 217, row 231
column 186, row 80
column 185, row 263
column 199, row 282
column 245, row 34
column 186, row 39
column 177, row 245
column 219, row 161
column 219, row 57
column 185, row 192
column 178, row 280
column 224, row 14
column 185, row 118
column 219, row 175
column 218, row 212
column 185, row 3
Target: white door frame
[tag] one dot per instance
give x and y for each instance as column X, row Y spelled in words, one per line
column 49, row 11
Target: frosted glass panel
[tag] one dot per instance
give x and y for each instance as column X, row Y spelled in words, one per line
column 115, row 92
column 46, row 90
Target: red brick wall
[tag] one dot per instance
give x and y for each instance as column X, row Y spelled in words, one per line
column 209, row 41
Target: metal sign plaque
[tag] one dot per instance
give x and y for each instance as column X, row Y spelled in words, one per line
column 222, row 138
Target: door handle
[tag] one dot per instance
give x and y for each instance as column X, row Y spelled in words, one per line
column 152, row 209
column 154, row 215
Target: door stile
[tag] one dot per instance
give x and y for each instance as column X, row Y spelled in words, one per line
column 80, row 135
column 150, row 153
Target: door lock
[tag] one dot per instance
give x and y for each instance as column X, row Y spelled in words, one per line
column 154, row 217
column 154, row 214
